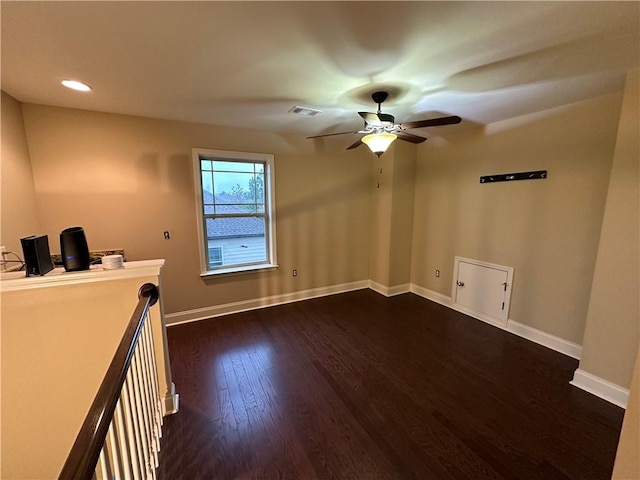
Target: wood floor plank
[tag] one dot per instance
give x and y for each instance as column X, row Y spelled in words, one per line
column 334, row 441
column 360, row 386
column 496, row 405
column 524, row 395
column 371, row 396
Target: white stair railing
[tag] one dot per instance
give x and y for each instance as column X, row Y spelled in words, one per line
column 120, row 437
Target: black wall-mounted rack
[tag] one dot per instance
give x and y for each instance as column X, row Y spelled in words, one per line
column 508, row 177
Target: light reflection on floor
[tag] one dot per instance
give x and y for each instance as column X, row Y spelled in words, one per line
column 245, row 382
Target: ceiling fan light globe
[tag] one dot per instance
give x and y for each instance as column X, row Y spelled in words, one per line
column 379, row 142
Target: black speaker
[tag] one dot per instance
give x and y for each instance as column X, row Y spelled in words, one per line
column 74, row 249
column 37, row 258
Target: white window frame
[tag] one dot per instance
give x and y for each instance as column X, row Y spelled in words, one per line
column 199, row 154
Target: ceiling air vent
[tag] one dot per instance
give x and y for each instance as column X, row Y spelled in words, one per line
column 305, row 111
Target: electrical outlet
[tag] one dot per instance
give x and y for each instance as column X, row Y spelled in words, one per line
column 437, row 273
column 167, row 235
column 294, row 273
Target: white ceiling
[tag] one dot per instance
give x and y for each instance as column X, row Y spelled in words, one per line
column 245, row 64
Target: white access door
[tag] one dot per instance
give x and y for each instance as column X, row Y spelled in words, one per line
column 483, row 289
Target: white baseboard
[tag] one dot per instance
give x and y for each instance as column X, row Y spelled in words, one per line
column 245, row 305
column 558, row 344
column 601, row 388
column 538, row 336
column 447, row 302
column 431, row 295
column 389, row 291
column 479, row 316
column 171, row 402
column 595, row 385
column 377, row 287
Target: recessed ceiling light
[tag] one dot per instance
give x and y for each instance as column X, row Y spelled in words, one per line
column 76, row 85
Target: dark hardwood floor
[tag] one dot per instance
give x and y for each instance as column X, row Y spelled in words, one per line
column 359, row 386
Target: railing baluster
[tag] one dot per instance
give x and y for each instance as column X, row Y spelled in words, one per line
column 102, row 471
column 154, row 383
column 123, row 440
column 135, row 431
column 114, row 453
column 144, row 419
column 153, row 400
column 131, row 429
column 141, row 415
column 148, row 398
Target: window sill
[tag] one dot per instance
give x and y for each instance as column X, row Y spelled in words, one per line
column 239, row 270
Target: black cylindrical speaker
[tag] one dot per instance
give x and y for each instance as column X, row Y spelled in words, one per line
column 74, row 249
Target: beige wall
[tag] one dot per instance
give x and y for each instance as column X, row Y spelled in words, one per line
column 127, row 179
column 613, row 321
column 627, row 465
column 380, row 227
column 404, row 172
column 547, row 230
column 18, row 202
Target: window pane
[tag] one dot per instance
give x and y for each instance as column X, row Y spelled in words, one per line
column 235, row 208
column 207, row 188
column 205, row 165
column 252, row 208
column 241, row 238
column 247, row 167
column 258, row 185
column 234, row 188
column 215, row 256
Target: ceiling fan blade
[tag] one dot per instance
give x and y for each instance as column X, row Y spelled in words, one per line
column 330, row 135
column 433, row 122
column 355, row 144
column 409, row 137
column 377, row 119
column 371, row 118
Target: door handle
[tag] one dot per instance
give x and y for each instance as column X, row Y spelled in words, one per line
column 459, row 283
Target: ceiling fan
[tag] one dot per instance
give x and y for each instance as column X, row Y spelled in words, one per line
column 380, row 129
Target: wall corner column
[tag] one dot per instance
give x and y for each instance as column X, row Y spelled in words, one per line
column 391, row 231
column 612, row 330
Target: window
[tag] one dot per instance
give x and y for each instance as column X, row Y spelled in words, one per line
column 234, row 196
column 215, row 256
